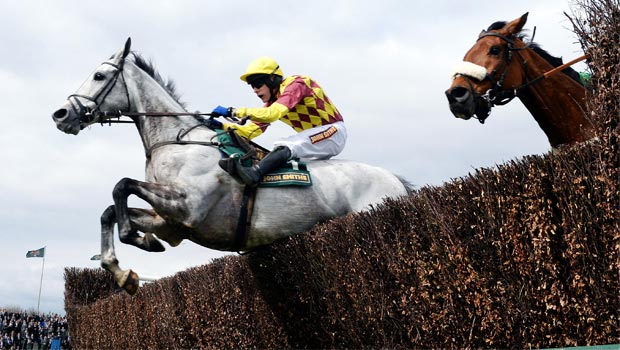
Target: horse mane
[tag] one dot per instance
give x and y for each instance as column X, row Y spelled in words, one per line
column 149, row 68
column 554, row 61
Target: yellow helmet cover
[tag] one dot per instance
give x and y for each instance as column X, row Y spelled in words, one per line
column 262, row 65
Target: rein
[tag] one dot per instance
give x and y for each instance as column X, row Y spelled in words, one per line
column 560, row 68
column 179, row 136
column 178, row 141
column 148, row 114
column 119, row 114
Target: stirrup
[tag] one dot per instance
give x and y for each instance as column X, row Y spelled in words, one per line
column 229, row 166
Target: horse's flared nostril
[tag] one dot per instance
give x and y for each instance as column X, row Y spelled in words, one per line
column 60, row 114
column 458, row 94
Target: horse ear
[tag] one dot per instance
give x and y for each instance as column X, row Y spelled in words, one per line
column 523, row 19
column 516, row 26
column 127, row 48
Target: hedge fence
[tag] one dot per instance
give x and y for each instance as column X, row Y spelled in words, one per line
column 522, row 255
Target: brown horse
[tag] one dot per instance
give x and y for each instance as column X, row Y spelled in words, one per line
column 501, row 66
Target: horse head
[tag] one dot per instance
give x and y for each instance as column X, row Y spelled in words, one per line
column 488, row 75
column 103, row 91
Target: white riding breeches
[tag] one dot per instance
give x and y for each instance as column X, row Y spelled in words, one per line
column 321, row 142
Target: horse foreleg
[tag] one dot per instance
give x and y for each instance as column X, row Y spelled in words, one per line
column 126, row 279
column 156, row 195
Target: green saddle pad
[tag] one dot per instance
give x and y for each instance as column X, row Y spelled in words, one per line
column 293, row 173
column 229, row 148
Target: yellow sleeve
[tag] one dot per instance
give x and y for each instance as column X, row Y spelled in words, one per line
column 264, row 114
column 249, row 130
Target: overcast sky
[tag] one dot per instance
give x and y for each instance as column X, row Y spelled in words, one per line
column 385, row 64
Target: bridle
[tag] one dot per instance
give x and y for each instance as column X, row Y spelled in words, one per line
column 89, row 115
column 497, row 95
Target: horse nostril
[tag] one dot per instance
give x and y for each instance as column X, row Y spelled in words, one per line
column 60, row 114
column 458, row 94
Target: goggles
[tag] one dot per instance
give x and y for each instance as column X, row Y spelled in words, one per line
column 256, row 81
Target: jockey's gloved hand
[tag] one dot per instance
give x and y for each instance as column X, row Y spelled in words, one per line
column 221, row 111
column 213, row 124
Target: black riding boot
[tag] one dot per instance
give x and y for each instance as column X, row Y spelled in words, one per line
column 251, row 176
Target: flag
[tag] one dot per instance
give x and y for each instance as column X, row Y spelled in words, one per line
column 38, row 253
column 96, row 257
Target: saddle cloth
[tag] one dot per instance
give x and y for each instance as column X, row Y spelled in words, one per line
column 294, row 173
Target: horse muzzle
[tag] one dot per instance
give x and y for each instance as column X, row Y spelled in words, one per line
column 461, row 101
column 67, row 120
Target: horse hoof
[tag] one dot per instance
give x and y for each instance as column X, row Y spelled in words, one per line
column 153, row 244
column 132, row 282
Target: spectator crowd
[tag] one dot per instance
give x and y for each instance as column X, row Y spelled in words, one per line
column 23, row 330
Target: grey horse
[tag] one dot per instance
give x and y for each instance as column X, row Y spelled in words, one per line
column 191, row 197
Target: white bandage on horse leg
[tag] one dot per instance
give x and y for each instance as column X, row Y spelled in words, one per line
column 469, row 69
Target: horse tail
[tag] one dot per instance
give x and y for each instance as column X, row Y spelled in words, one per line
column 409, row 187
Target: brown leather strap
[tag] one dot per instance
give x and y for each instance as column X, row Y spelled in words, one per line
column 245, row 218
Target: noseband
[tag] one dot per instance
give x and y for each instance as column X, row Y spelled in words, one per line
column 88, row 115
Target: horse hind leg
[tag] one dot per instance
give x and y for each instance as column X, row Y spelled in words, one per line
column 147, row 242
column 126, row 279
column 149, row 222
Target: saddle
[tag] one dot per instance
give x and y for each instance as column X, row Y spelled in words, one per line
column 237, row 148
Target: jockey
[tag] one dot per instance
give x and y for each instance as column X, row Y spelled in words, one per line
column 297, row 101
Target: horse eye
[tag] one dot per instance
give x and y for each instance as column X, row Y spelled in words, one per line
column 99, row 76
column 495, row 50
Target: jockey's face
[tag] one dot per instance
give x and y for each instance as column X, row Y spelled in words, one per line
column 262, row 92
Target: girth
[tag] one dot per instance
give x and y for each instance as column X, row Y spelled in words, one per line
column 245, row 218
